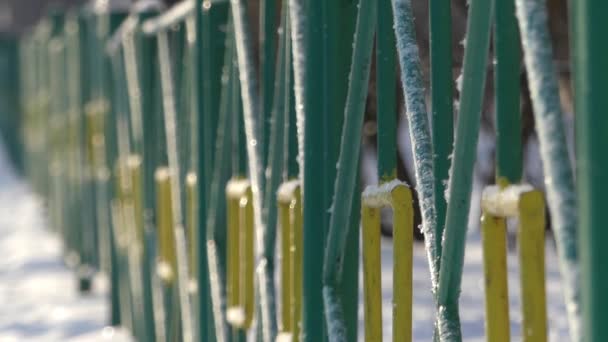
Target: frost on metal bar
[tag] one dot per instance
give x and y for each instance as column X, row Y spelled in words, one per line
column 422, row 149
column 249, row 96
column 176, row 14
column 170, row 115
column 396, row 195
column 297, row 29
column 290, row 212
column 526, row 204
column 559, row 179
column 240, row 292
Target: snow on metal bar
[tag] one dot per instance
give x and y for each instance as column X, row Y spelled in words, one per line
column 381, row 196
column 503, row 202
column 174, row 15
column 422, row 149
column 298, row 46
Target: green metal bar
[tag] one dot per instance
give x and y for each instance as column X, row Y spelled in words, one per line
column 107, row 22
column 386, row 80
column 440, row 44
column 255, row 162
column 170, row 113
column 557, row 170
column 465, row 150
column 506, row 82
column 590, row 70
column 267, row 72
column 414, row 94
column 348, row 161
column 340, row 22
column 216, row 238
column 277, row 151
column 307, row 31
column 209, row 57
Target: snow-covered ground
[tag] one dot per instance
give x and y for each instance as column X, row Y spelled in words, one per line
column 40, row 301
column 39, row 296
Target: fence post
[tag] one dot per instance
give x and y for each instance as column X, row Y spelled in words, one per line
column 591, row 72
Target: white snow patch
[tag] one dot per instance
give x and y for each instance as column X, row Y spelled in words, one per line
column 40, row 300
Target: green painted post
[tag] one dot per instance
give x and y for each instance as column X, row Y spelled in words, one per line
column 216, row 219
column 460, row 182
column 348, row 162
column 208, row 57
column 386, row 92
column 267, row 46
column 306, row 18
column 506, row 82
column 591, row 72
column 440, row 39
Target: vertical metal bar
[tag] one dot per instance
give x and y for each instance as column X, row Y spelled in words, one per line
column 372, row 280
column 440, row 39
column 460, row 182
column 403, row 255
column 306, row 29
column 590, row 70
column 531, row 238
column 413, row 91
column 267, row 71
column 507, row 89
column 548, row 116
column 169, row 109
column 296, row 259
column 386, row 92
column 340, row 21
column 203, row 113
column 494, row 244
column 348, row 162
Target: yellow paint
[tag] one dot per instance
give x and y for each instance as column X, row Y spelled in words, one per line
column 241, row 257
column 531, row 236
column 403, row 223
column 372, row 286
column 191, row 220
column 400, row 200
column 166, row 237
column 494, row 243
column 247, row 255
column 135, row 172
column 290, row 216
column 233, row 248
column 285, row 322
column 296, row 250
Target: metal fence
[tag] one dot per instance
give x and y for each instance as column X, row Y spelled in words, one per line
column 194, row 164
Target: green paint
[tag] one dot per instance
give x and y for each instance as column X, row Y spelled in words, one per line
column 465, row 151
column 507, row 89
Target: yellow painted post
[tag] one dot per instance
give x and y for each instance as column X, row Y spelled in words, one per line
column 191, row 222
column 290, row 215
column 403, row 222
column 285, row 323
column 494, row 244
column 372, row 282
column 398, row 196
column 498, row 203
column 247, row 255
column 531, row 237
column 167, row 265
column 134, row 163
column 232, row 222
column 241, row 253
column 296, row 259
